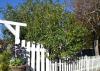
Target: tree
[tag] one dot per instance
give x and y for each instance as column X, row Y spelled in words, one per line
column 88, row 12
column 47, row 23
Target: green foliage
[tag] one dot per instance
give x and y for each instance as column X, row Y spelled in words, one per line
column 4, row 60
column 47, row 23
column 16, row 62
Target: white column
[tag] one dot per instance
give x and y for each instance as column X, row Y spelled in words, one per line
column 17, row 34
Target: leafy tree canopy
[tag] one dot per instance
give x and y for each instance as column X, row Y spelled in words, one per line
column 47, row 23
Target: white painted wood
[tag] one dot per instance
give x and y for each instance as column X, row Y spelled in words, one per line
column 65, row 66
column 28, row 50
column 59, row 65
column 38, row 58
column 42, row 58
column 15, row 31
column 47, row 63
column 50, row 66
column 83, row 64
column 84, row 67
column 12, row 23
column 11, row 29
column 73, row 65
column 55, row 66
column 69, row 67
column 33, row 56
column 23, row 43
column 17, row 36
column 28, row 54
column 87, row 63
column 62, row 66
column 97, row 64
column 79, row 65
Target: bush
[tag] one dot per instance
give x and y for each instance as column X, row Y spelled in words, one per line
column 16, row 62
column 4, row 60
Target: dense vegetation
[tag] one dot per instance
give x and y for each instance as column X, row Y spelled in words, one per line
column 48, row 23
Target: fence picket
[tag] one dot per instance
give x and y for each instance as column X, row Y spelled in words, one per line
column 28, row 49
column 59, row 65
column 50, row 66
column 47, row 63
column 28, row 55
column 42, row 59
column 55, row 66
column 33, row 56
column 23, row 43
column 62, row 66
column 38, row 57
column 65, row 66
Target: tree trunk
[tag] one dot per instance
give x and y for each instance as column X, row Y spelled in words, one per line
column 96, row 47
column 96, row 42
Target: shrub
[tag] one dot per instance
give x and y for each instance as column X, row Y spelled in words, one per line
column 4, row 60
column 16, row 62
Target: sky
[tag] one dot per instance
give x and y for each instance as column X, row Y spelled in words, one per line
column 3, row 4
column 14, row 3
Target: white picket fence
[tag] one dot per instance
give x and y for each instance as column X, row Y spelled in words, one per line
column 38, row 61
